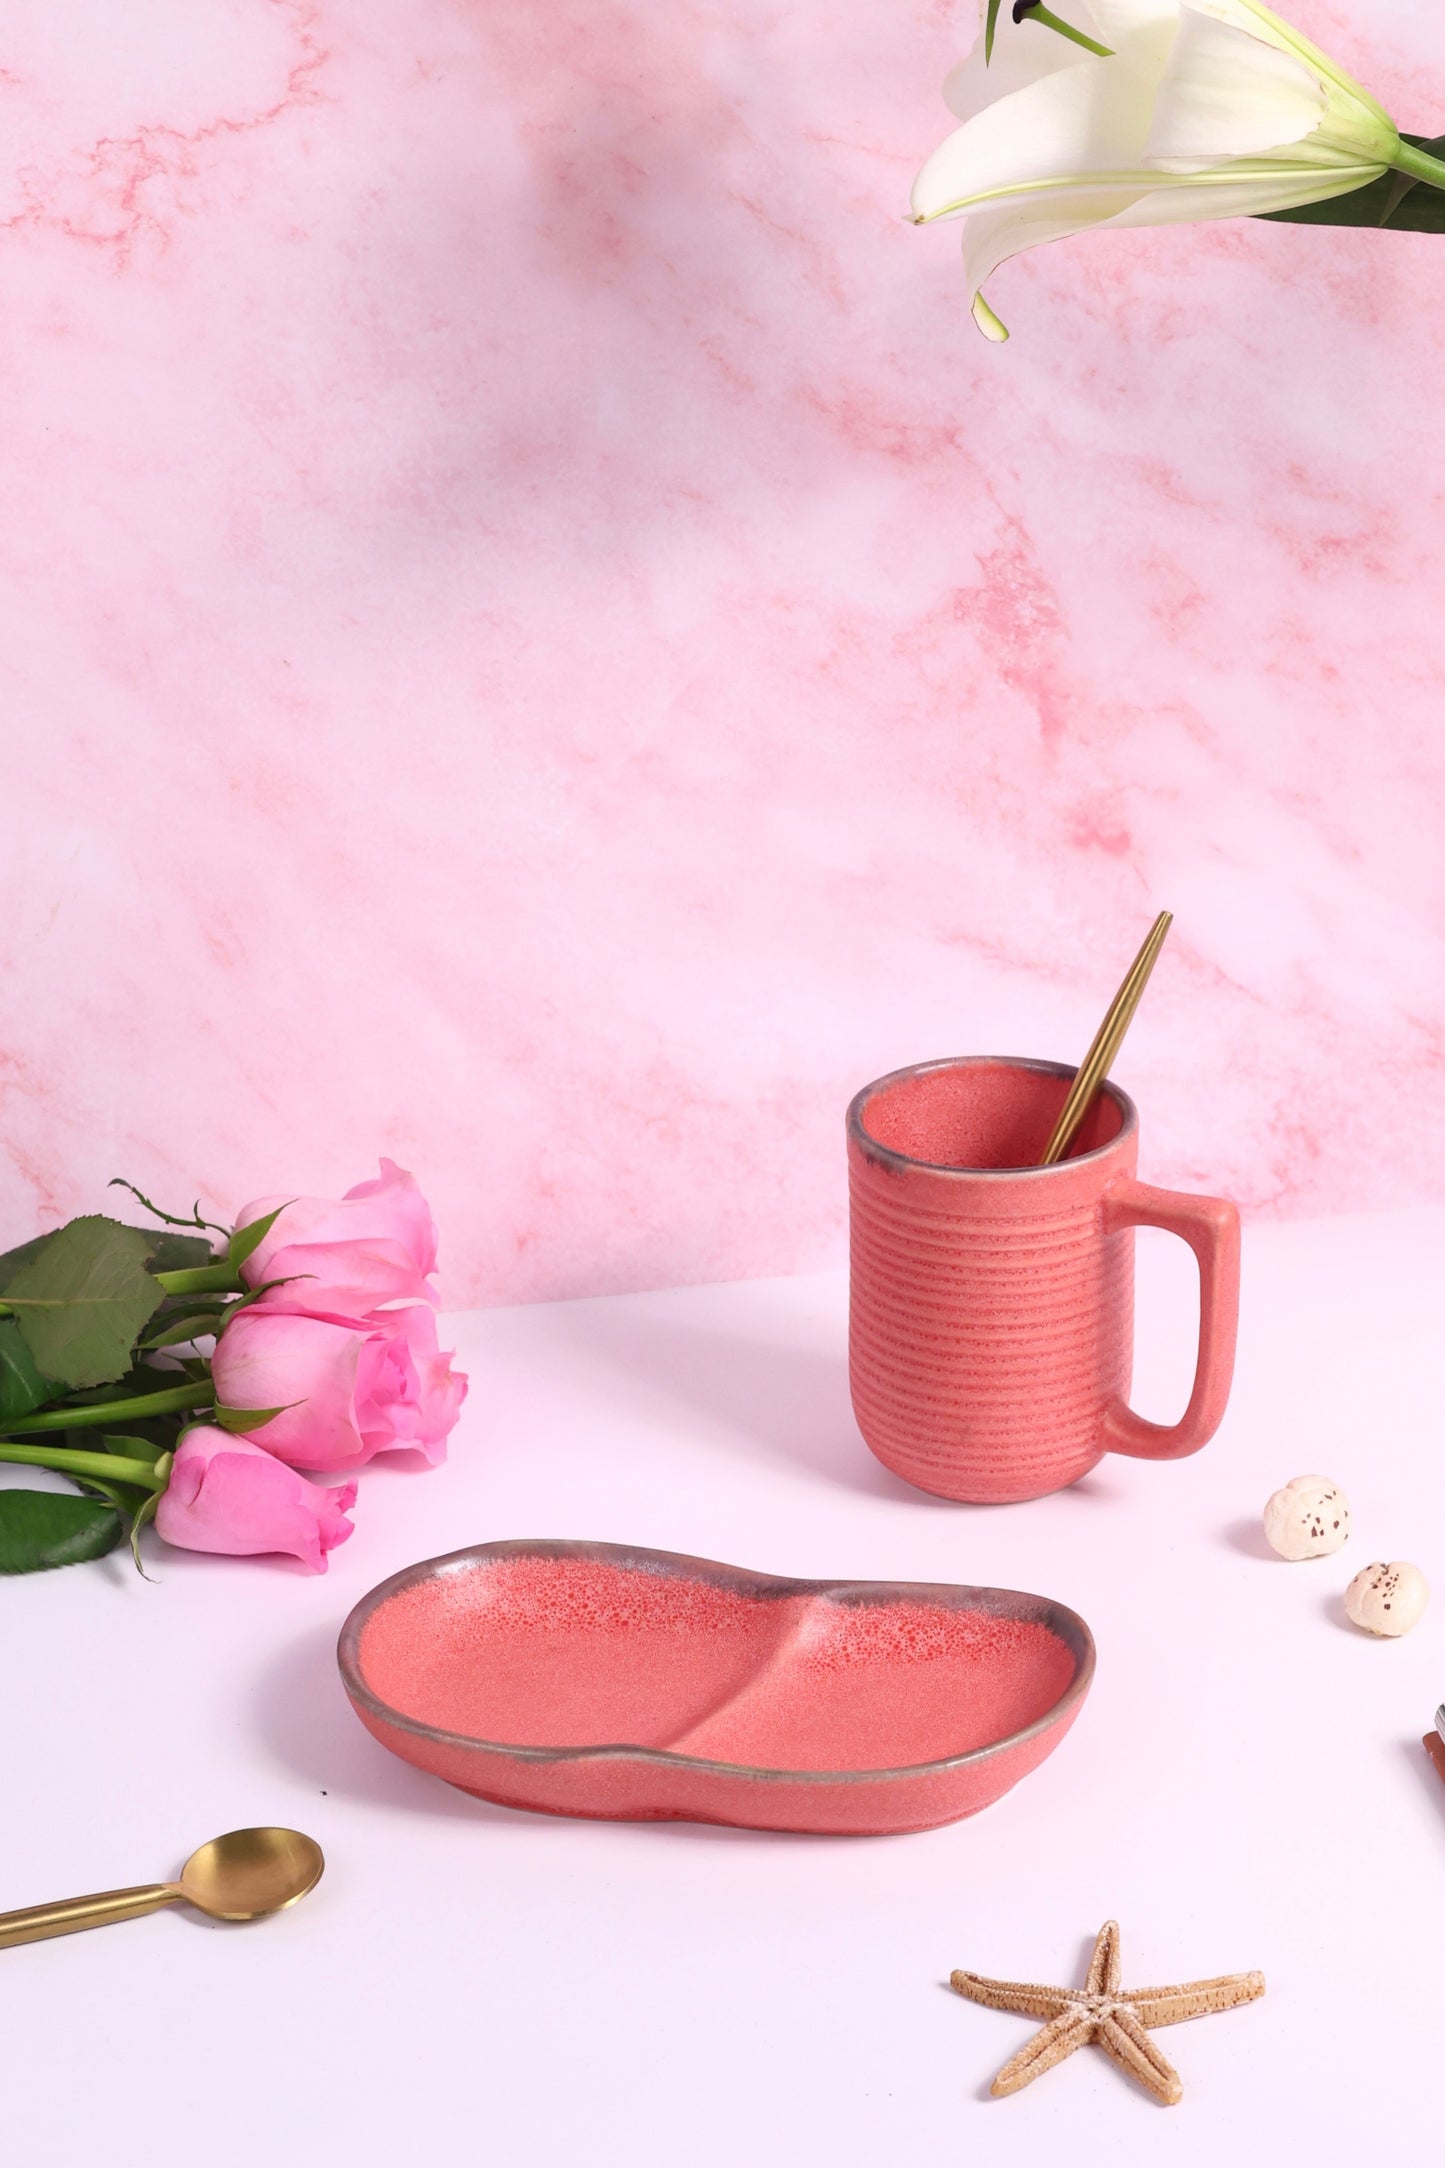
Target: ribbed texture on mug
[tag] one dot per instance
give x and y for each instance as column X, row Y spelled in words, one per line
column 984, row 1350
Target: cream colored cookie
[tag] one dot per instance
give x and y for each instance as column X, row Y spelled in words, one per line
column 1308, row 1518
column 1387, row 1599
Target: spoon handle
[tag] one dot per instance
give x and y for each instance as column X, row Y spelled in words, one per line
column 1097, row 1063
column 38, row 1922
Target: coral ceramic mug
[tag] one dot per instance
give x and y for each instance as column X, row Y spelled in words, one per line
column 991, row 1328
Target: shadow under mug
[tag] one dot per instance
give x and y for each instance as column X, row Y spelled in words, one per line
column 991, row 1309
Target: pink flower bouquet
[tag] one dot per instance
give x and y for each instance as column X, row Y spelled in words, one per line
column 191, row 1386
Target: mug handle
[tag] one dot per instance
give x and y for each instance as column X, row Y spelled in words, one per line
column 1210, row 1225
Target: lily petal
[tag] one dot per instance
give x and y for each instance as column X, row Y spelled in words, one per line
column 991, row 237
column 1234, row 195
column 1140, row 31
column 1253, row 16
column 1090, row 118
column 1018, row 60
column 1227, row 94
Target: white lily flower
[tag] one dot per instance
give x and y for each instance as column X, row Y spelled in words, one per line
column 1197, row 109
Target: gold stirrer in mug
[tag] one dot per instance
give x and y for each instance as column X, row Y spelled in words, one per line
column 1099, row 1059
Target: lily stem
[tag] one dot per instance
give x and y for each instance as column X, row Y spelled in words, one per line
column 1419, row 164
column 109, row 1467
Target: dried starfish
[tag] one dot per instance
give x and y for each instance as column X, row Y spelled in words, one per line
column 1117, row 2018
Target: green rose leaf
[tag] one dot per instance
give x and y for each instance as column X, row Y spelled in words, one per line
column 12, row 1260
column 81, row 1298
column 176, row 1253
column 127, row 1445
column 127, row 1498
column 181, row 1322
column 254, row 1294
column 142, row 1520
column 238, row 1420
column 142, row 1380
column 22, row 1388
column 249, row 1238
column 41, row 1529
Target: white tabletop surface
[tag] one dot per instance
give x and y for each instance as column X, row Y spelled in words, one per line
column 1244, row 1788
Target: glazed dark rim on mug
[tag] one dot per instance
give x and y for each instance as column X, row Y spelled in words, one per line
column 870, row 1146
column 1065, row 1625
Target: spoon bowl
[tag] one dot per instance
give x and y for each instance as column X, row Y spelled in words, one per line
column 250, row 1872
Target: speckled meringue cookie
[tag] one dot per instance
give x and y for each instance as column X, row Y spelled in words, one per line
column 1309, row 1518
column 1387, row 1599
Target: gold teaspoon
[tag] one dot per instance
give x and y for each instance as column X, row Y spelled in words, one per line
column 241, row 1876
column 1100, row 1057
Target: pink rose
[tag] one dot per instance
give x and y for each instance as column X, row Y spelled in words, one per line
column 376, row 1245
column 227, row 1494
column 359, row 1386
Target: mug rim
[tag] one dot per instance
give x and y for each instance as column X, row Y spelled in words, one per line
column 868, row 1144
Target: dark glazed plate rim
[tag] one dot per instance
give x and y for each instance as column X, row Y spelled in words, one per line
column 1065, row 1624
column 870, row 1145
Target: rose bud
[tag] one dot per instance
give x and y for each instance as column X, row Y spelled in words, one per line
column 227, row 1494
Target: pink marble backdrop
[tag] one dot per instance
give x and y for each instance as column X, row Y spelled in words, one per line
column 540, row 640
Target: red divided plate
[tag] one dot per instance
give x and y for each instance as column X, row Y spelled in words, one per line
column 590, row 1678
